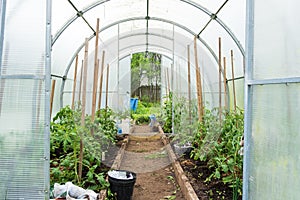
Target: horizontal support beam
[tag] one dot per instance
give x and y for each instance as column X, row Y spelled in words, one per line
column 23, row 76
column 274, row 81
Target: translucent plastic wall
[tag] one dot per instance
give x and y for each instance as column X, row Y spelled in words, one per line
column 24, row 91
column 272, row 164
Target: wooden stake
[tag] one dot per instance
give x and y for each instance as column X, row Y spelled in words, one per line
column 96, row 72
column 225, row 83
column 74, row 83
column 101, row 80
column 107, row 76
column 80, row 83
column 168, row 82
column 52, row 96
column 83, row 104
column 189, row 83
column 198, row 82
column 220, row 82
column 233, row 81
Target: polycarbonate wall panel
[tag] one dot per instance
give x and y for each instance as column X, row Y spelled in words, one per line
column 272, row 167
column 275, row 164
column 23, row 174
column 279, row 43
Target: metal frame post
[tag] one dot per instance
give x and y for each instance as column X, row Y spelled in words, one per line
column 48, row 40
column 248, row 96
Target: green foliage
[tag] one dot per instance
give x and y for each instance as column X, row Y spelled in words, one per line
column 218, row 143
column 66, row 133
column 185, row 120
column 144, row 110
column 167, row 114
column 145, row 67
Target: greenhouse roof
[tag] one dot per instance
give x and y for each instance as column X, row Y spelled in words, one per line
column 133, row 26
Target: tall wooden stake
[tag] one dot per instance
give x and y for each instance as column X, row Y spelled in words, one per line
column 52, row 96
column 233, row 81
column 168, row 82
column 101, row 81
column 220, row 82
column 107, row 76
column 199, row 82
column 80, row 83
column 74, row 83
column 225, row 83
column 83, row 104
column 96, row 72
column 189, row 82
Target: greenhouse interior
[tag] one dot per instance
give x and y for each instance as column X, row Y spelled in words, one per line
column 220, row 75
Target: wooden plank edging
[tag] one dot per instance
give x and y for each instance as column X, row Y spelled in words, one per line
column 185, row 186
column 116, row 165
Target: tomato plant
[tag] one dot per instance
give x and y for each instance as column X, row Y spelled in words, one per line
column 66, row 133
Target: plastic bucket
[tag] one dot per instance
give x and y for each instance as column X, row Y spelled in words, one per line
column 122, row 186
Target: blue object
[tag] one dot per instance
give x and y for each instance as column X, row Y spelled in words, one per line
column 133, row 104
column 152, row 120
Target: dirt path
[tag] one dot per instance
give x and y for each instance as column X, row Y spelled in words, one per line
column 146, row 156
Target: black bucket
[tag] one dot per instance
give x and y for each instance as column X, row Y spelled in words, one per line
column 122, row 187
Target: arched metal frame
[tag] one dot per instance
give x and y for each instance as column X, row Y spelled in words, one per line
column 194, row 4
column 123, row 21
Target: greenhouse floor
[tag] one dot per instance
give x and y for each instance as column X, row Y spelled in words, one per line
column 146, row 155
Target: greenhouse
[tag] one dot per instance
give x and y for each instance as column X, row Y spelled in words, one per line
column 96, row 77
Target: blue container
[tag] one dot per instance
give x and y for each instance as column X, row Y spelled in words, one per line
column 133, row 104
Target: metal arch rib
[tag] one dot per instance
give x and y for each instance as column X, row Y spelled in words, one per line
column 192, row 3
column 142, row 18
column 222, row 24
column 126, row 20
column 72, row 19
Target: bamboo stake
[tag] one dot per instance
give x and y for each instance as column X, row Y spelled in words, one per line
column 233, row 81
column 83, row 105
column 107, row 76
column 52, row 96
column 220, row 83
column 80, row 83
column 168, row 82
column 189, row 83
column 74, row 83
column 96, row 72
column 101, row 80
column 198, row 82
column 225, row 84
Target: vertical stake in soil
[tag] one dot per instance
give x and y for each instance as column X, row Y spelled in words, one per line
column 107, row 76
column 168, row 82
column 233, row 82
column 80, row 83
column 199, row 83
column 83, row 104
column 189, row 82
column 225, row 84
column 74, row 83
column 220, row 82
column 101, row 81
column 96, row 72
column 52, row 96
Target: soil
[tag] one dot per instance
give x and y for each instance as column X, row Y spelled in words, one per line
column 149, row 160
column 197, row 173
column 155, row 175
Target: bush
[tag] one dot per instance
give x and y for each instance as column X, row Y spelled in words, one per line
column 65, row 141
column 218, row 143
